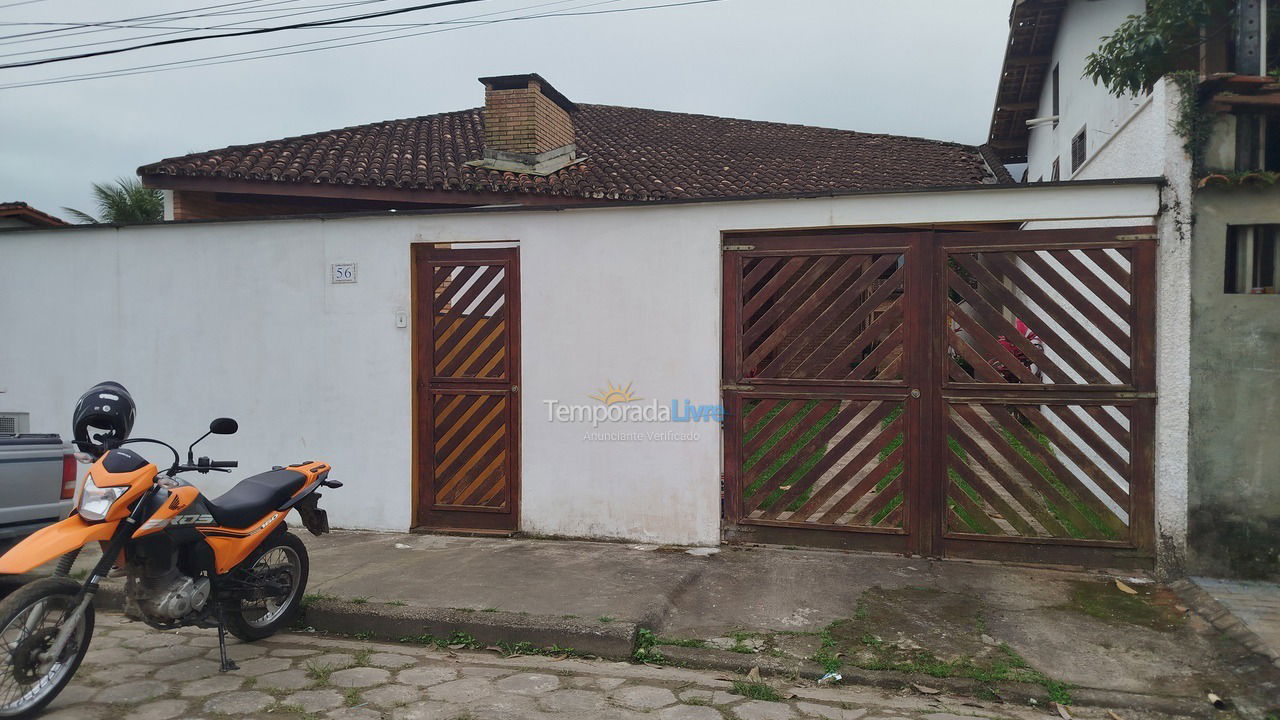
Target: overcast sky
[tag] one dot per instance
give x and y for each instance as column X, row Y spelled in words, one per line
column 912, row 67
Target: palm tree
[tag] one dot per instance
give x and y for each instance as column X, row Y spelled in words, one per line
column 125, row 202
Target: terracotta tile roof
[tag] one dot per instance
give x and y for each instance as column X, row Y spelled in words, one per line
column 631, row 154
column 31, row 216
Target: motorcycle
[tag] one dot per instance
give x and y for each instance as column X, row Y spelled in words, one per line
column 187, row 560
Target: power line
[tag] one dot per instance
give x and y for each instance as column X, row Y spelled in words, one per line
column 219, row 59
column 176, row 41
column 139, row 17
column 469, row 21
column 106, row 27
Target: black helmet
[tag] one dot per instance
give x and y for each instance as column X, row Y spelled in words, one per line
column 107, row 408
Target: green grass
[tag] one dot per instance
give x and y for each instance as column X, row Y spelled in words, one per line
column 682, row 642
column 755, row 691
column 815, row 425
column 646, row 647
column 361, row 657
column 319, row 672
column 606, row 619
column 352, row 697
column 360, row 600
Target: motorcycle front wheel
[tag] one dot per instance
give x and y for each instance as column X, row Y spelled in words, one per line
column 30, row 619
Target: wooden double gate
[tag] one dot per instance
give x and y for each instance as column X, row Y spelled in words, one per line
column 983, row 394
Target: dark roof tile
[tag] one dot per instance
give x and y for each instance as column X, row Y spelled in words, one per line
column 631, row 154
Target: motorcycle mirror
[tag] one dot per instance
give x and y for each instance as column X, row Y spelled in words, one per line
column 224, row 426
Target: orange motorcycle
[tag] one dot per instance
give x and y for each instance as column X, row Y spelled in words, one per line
column 187, row 560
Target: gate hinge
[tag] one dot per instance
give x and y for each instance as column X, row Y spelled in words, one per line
column 739, row 247
column 1148, row 236
column 738, row 388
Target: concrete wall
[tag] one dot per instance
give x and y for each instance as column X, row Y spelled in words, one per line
column 239, row 319
column 1084, row 104
column 1235, row 400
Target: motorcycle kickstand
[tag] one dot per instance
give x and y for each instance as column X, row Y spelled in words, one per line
column 227, row 663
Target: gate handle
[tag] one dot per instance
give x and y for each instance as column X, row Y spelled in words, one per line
column 915, row 392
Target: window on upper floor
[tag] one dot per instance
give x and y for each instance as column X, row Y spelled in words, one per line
column 1251, row 259
column 1257, row 142
column 1078, row 150
column 1054, row 175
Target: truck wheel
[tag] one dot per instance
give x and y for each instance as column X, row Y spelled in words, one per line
column 281, row 564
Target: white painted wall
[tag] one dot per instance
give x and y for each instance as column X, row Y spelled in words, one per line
column 1084, row 104
column 238, row 318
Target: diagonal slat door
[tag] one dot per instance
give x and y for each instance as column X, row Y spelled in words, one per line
column 467, row 338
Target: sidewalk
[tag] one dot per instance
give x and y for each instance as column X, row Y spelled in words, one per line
column 879, row 619
column 1247, row 610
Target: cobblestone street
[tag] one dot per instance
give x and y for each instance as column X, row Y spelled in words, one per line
column 132, row 671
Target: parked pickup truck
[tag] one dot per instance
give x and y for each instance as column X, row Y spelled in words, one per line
column 37, row 483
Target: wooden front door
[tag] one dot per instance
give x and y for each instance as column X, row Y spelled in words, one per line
column 467, row 358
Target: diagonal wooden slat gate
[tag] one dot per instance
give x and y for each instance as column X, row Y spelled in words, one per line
column 975, row 394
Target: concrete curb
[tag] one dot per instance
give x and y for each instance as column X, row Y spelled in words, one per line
column 1223, row 619
column 1010, row 692
column 613, row 640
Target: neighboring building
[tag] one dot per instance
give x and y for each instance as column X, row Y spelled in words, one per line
column 1223, row 207
column 21, row 215
column 530, row 145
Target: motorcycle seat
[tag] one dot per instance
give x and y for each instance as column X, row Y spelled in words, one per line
column 255, row 496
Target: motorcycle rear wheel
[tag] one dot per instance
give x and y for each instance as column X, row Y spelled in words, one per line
column 29, row 621
column 282, row 558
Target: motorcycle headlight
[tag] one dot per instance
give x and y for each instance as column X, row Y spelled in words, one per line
column 95, row 502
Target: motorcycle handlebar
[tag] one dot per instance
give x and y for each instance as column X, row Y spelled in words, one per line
column 224, row 464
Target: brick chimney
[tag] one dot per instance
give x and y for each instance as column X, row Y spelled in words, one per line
column 528, row 126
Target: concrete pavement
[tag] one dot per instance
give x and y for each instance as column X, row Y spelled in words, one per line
column 973, row 626
column 132, row 671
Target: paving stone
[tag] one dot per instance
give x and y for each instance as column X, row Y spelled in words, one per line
column 72, row 694
column 208, row 641
column 426, row 675
column 763, row 710
column 238, row 703
column 643, row 697
column 211, row 685
column 427, row 710
column 951, row 716
column 390, row 660
column 609, row 683
column 292, row 652
column 829, row 712
column 484, row 671
column 335, row 661
column 160, row 710
column 313, row 701
column 170, row 654
column 359, row 677
column 294, row 679
column 114, row 675
column 188, row 670
column 528, row 683
column 78, row 712
column 356, row 713
column 109, row 656
column 238, row 653
column 134, row 691
column 565, row 701
column 461, row 691
column 715, row 697
column 389, row 696
column 153, row 640
column 262, row 665
column 689, row 712
column 504, row 706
